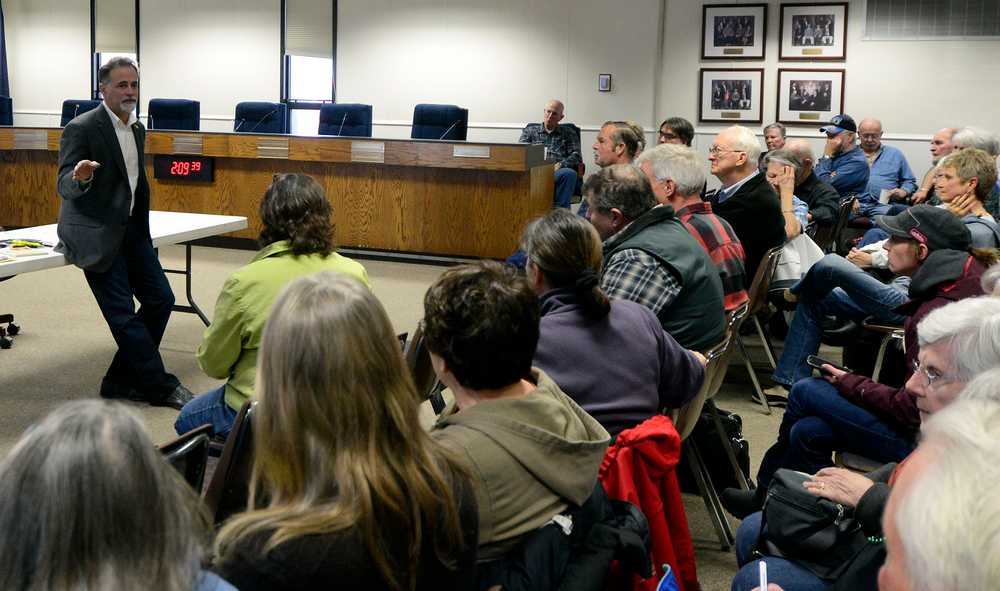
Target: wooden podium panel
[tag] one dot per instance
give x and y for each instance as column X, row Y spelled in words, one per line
column 427, row 197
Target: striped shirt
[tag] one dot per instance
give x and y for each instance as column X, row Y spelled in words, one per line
column 717, row 237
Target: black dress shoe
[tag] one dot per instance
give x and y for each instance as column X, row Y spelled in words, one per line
column 176, row 399
column 112, row 390
column 740, row 503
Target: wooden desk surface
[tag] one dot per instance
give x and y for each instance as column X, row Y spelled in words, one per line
column 416, row 196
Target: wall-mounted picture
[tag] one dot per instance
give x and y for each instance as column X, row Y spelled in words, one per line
column 813, row 32
column 731, row 96
column 806, row 97
column 604, row 82
column 733, row 31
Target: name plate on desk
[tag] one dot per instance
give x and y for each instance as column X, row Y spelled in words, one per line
column 187, row 144
column 31, row 140
column 470, row 151
column 272, row 148
column 368, row 152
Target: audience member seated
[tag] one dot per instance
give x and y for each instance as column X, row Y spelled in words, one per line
column 959, row 353
column 612, row 357
column 347, row 489
column 745, row 200
column 843, row 165
column 87, row 502
column 651, row 259
column 562, row 144
column 950, row 507
column 972, row 137
column 963, row 182
column 851, row 412
column 676, row 130
column 941, row 146
column 677, row 177
column 774, row 139
column 297, row 240
column 889, row 173
column 822, row 199
column 781, row 168
column 835, row 287
column 618, row 142
column 534, row 452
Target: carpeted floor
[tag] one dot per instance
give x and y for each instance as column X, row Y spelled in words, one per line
column 65, row 346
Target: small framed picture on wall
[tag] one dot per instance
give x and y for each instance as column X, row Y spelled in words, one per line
column 807, row 97
column 731, row 96
column 813, row 32
column 733, row 31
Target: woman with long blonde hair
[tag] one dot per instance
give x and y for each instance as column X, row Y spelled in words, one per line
column 348, row 491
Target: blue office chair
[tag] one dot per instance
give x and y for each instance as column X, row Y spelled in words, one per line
column 178, row 114
column 75, row 107
column 346, row 119
column 440, row 122
column 261, row 117
column 6, row 111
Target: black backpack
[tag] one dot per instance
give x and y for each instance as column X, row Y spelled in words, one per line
column 710, row 446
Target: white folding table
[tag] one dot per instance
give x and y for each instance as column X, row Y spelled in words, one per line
column 165, row 227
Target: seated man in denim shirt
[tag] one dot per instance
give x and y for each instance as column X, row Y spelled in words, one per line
column 889, row 173
column 561, row 143
column 843, row 164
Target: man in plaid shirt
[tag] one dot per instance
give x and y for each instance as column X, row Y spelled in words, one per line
column 562, row 143
column 677, row 177
column 651, row 259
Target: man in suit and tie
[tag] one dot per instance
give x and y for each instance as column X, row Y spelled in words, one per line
column 104, row 229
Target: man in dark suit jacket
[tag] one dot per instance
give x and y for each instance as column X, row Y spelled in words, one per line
column 104, row 229
column 746, row 200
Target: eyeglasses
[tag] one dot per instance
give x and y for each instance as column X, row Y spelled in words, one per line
column 869, row 136
column 716, row 150
column 932, row 378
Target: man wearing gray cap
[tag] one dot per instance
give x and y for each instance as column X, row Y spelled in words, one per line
column 843, row 164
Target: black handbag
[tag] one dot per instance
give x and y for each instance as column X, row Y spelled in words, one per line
column 814, row 532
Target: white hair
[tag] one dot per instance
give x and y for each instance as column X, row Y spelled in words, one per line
column 975, row 137
column 949, row 519
column 972, row 328
column 680, row 164
column 745, row 140
column 985, row 386
column 991, row 280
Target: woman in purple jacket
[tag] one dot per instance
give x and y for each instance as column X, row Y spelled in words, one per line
column 612, row 357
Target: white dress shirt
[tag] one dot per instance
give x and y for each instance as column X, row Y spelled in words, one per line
column 126, row 140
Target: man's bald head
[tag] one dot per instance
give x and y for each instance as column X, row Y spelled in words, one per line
column 803, row 150
column 870, row 132
column 941, row 144
column 552, row 114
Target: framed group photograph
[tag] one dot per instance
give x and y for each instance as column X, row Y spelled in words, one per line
column 813, row 32
column 809, row 96
column 733, row 31
column 731, row 96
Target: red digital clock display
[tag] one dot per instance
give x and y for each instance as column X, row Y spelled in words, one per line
column 183, row 168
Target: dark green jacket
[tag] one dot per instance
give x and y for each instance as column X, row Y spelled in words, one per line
column 696, row 318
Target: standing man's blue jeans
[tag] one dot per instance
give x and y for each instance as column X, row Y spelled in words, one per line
column 819, row 421
column 565, row 184
column 208, row 409
column 832, row 287
column 785, row 573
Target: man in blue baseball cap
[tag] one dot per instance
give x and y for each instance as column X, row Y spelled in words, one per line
column 843, row 164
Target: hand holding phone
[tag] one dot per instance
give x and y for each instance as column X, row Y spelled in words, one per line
column 819, row 362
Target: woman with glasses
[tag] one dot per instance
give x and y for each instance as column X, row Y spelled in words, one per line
column 88, row 503
column 348, row 492
column 959, row 356
column 296, row 240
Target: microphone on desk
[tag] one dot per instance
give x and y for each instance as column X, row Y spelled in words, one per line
column 76, row 109
column 263, row 119
column 239, row 124
column 342, row 122
column 149, row 121
column 457, row 121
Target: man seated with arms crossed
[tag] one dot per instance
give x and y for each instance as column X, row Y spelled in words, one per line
column 562, row 144
column 941, row 146
column 650, row 258
column 888, row 172
column 843, row 165
column 677, row 176
column 822, row 199
column 533, row 451
column 297, row 240
column 746, row 200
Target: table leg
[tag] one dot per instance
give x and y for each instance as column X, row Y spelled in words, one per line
column 192, row 307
